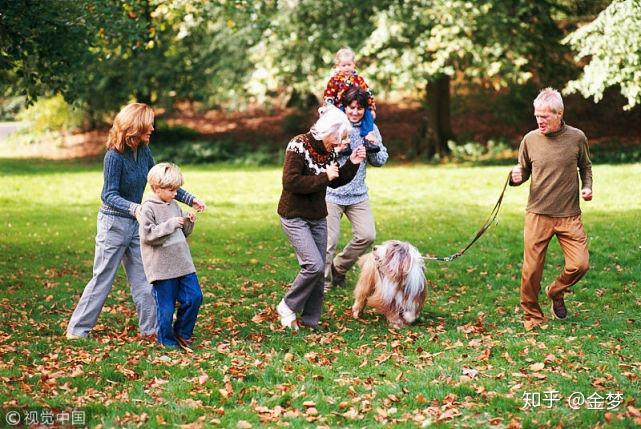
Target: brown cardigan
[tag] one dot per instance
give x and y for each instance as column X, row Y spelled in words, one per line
column 305, row 179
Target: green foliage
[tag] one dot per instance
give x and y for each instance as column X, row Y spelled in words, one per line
column 472, row 151
column 210, row 151
column 51, row 114
column 614, row 153
column 495, row 43
column 611, row 45
column 10, row 107
column 43, row 48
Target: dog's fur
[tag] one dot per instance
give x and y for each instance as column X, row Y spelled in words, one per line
column 392, row 281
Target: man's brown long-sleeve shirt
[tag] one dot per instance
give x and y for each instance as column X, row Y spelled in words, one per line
column 551, row 161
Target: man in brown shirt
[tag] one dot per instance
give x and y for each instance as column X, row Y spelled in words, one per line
column 550, row 156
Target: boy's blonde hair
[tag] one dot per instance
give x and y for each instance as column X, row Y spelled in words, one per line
column 344, row 52
column 130, row 124
column 550, row 98
column 165, row 175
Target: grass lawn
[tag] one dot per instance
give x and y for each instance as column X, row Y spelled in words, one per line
column 466, row 363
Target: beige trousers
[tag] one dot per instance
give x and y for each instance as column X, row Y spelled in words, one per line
column 538, row 231
column 363, row 235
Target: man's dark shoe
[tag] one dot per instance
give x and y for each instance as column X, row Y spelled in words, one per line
column 338, row 279
column 558, row 306
column 371, row 148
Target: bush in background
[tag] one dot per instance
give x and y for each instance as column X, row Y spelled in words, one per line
column 10, row 107
column 51, row 114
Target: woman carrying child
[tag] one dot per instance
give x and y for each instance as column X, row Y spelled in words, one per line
column 352, row 199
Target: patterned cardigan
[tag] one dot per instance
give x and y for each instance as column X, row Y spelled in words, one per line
column 305, row 180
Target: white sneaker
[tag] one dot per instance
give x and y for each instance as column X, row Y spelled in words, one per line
column 286, row 315
column 71, row 336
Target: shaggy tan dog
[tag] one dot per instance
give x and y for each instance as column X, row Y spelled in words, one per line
column 392, row 281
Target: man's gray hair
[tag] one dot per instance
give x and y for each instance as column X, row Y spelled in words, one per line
column 550, row 98
column 332, row 121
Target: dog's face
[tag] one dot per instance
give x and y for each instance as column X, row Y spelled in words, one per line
column 394, row 258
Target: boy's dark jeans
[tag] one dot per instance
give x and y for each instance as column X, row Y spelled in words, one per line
column 186, row 291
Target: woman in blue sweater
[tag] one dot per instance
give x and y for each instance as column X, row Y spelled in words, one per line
column 127, row 162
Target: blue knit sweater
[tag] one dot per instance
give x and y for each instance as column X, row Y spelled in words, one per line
column 356, row 190
column 125, row 181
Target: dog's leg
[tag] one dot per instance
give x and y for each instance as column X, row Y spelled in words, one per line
column 394, row 319
column 366, row 283
column 409, row 315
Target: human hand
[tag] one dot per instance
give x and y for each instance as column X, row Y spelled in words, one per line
column 198, row 205
column 332, row 171
column 371, row 138
column 358, row 155
column 138, row 213
column 180, row 220
column 191, row 216
column 517, row 175
column 586, row 193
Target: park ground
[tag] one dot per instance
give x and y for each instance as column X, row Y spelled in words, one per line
column 467, row 362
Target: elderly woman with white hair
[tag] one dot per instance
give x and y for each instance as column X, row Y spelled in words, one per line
column 310, row 167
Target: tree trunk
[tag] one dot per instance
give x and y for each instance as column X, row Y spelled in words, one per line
column 436, row 129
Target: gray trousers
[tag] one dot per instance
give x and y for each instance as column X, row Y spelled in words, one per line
column 363, row 235
column 309, row 239
column 117, row 241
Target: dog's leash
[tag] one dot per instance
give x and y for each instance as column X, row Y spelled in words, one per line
column 491, row 218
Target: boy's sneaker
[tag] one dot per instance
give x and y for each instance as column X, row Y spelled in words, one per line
column 71, row 336
column 370, row 147
column 558, row 305
column 338, row 279
column 286, row 315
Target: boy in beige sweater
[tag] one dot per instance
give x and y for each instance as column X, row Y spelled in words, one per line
column 166, row 257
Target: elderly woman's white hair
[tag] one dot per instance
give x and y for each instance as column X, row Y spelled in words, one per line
column 550, row 98
column 332, row 121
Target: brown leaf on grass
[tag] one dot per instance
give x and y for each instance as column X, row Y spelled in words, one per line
column 191, row 403
column 228, row 390
column 537, row 366
column 243, row 424
column 485, row 355
column 351, row 414
column 514, row 424
column 634, row 412
column 264, row 315
column 469, row 372
column 202, row 378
